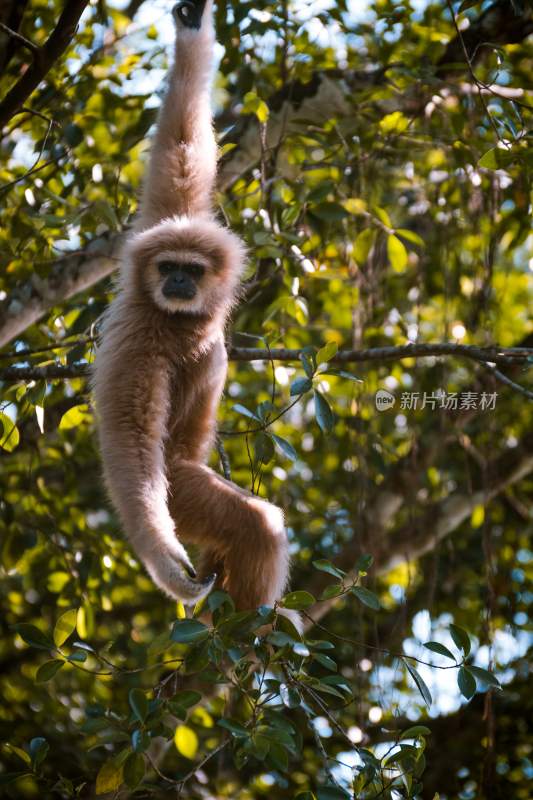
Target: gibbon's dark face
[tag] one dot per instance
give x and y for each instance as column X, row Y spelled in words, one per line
column 180, row 281
column 189, row 13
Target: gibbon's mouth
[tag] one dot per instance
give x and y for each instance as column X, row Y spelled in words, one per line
column 179, row 288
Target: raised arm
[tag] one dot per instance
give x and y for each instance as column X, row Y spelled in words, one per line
column 182, row 167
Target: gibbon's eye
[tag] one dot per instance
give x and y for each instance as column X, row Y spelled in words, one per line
column 194, row 270
column 166, row 267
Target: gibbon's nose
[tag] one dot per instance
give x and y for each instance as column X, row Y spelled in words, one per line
column 180, row 286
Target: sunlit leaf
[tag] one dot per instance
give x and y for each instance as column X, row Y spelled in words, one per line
column 10, row 436
column 186, row 741
column 397, row 253
column 109, row 777
column 298, row 600
column 65, row 626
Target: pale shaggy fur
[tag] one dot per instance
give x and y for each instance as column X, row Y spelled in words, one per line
column 161, row 367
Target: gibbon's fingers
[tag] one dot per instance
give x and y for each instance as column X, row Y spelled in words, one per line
column 189, row 13
column 239, row 530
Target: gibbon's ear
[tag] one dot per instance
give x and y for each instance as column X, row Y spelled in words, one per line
column 189, row 13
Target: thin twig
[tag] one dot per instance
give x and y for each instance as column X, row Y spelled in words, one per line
column 508, row 382
column 20, row 38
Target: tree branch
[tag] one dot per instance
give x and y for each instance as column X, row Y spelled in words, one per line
column 69, row 276
column 44, row 59
column 502, row 355
column 437, row 521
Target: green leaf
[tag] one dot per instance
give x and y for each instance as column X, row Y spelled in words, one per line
column 252, row 104
column 324, row 565
column 33, row 636
column 367, row 597
column 78, row 655
column 466, row 683
column 363, row 563
column 327, row 352
column 461, row 639
column 308, row 359
column 18, row 751
column 286, row 447
column 341, row 373
column 363, row 244
column 325, row 661
column 382, row 215
column 47, row 670
column 397, row 253
column 65, row 626
column 235, row 728
column 436, row 647
column 289, row 696
column 263, row 448
column 140, row 741
column 10, row 433
column 415, row 732
column 186, row 741
column 330, row 212
column 280, row 638
column 134, row 769
column 332, row 793
column 240, row 409
column 109, row 777
column 323, row 413
column 335, row 590
column 300, row 386
column 278, row 756
column 485, row 676
column 259, row 745
column 187, row 698
column 411, row 236
column 300, row 649
column 298, row 600
column 39, row 748
column 138, row 704
column 420, row 685
column 187, row 631
column 489, row 160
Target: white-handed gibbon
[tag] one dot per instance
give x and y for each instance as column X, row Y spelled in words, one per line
column 161, row 364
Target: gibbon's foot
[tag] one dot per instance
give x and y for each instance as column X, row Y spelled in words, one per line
column 189, row 13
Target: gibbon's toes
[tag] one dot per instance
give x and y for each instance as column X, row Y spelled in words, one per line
column 191, row 572
column 189, row 13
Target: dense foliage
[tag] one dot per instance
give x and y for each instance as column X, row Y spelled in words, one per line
column 376, row 160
